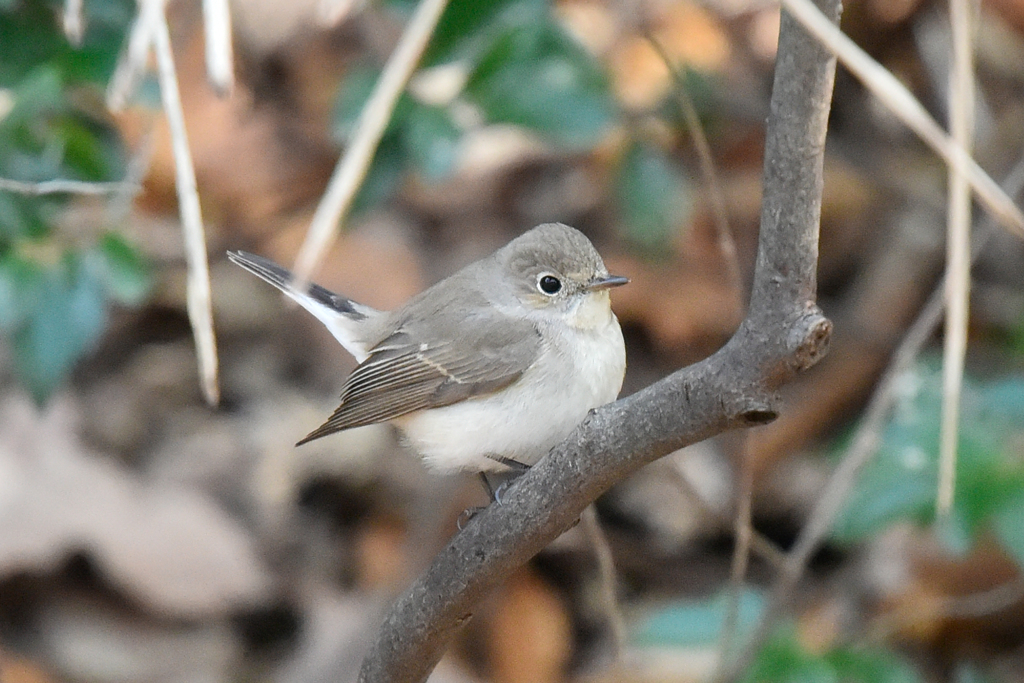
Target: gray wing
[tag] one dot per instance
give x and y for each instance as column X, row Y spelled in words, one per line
column 408, row 372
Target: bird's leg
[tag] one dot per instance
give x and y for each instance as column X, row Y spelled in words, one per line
column 515, row 470
column 470, row 513
column 511, row 463
column 487, row 487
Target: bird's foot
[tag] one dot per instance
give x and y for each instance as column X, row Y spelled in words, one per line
column 467, row 515
column 515, row 470
column 502, row 488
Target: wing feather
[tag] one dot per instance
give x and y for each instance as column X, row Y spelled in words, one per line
column 410, row 370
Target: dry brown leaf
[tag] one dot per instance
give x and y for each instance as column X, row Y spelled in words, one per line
column 253, row 161
column 15, row 669
column 697, row 321
column 960, row 603
column 381, row 547
column 1012, row 12
column 693, row 35
column 529, row 636
column 640, row 77
column 171, row 549
column 592, row 23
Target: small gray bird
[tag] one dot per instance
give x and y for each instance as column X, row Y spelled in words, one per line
column 488, row 369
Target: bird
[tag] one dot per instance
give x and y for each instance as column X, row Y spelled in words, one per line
column 489, row 368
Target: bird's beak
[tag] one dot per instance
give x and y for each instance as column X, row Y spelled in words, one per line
column 606, row 282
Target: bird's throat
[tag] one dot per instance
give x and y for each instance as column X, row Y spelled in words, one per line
column 593, row 312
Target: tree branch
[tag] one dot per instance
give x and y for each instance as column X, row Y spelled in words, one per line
column 863, row 447
column 783, row 333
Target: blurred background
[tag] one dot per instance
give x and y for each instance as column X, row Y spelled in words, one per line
column 145, row 536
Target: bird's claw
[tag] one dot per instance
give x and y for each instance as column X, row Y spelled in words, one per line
column 466, row 516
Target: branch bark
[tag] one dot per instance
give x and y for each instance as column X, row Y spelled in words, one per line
column 784, row 333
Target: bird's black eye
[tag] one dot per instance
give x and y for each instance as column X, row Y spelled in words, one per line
column 549, row 284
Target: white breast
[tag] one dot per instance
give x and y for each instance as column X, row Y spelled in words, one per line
column 579, row 369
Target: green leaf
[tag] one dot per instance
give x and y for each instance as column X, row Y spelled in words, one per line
column 899, row 484
column 468, row 27
column 537, row 77
column 1008, row 523
column 90, row 151
column 66, row 316
column 1016, row 337
column 697, row 622
column 39, row 94
column 19, row 280
column 431, row 139
column 30, row 34
column 701, row 89
column 864, row 665
column 383, row 177
column 955, row 532
column 986, row 476
column 901, row 481
column 1004, row 399
column 21, row 217
column 784, row 660
column 125, row 275
column 44, row 137
column 654, row 196
column 10, row 311
column 10, row 219
column 387, row 168
column 352, row 96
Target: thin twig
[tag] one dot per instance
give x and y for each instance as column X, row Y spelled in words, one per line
column 373, row 120
column 958, row 250
column 220, row 59
column 74, row 22
column 138, row 167
column 61, row 186
column 132, row 62
column 607, row 577
column 759, row 543
column 199, row 299
column 902, row 104
column 726, row 243
column 740, row 557
column 863, row 446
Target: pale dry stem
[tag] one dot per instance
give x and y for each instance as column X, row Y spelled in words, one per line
column 199, row 298
column 373, row 121
column 958, row 250
column 909, row 110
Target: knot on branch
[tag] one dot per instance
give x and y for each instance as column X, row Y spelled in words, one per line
column 750, row 407
column 755, row 417
column 809, row 338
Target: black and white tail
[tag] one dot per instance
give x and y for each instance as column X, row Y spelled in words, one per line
column 342, row 316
